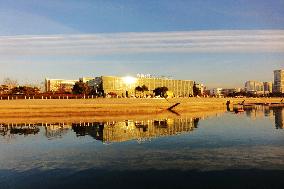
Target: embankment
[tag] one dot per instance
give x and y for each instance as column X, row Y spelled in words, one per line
column 115, row 107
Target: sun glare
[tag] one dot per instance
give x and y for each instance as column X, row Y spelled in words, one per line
column 129, row 80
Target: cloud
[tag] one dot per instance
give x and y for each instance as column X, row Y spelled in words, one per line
column 220, row 41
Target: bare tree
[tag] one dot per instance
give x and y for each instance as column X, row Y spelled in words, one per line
column 10, row 83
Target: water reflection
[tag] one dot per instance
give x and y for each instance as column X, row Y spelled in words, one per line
column 107, row 132
column 231, row 147
column 276, row 113
column 18, row 129
column 279, row 117
column 120, row 131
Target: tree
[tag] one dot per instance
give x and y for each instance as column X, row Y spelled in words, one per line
column 160, row 91
column 4, row 89
column 139, row 89
column 196, row 90
column 97, row 91
column 144, row 88
column 25, row 90
column 62, row 89
column 10, row 83
column 81, row 88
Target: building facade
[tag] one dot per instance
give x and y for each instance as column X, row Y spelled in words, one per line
column 59, row 85
column 227, row 92
column 216, row 92
column 85, row 79
column 278, row 81
column 255, row 87
column 267, row 87
column 125, row 86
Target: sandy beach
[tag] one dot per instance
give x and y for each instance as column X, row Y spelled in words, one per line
column 111, row 107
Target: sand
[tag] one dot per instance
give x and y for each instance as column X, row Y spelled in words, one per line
column 115, row 107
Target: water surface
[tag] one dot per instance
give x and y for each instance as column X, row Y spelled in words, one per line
column 224, row 150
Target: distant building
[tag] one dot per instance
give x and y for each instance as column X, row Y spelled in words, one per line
column 227, row 92
column 59, row 85
column 278, row 81
column 200, row 88
column 125, row 86
column 85, row 79
column 267, row 87
column 216, row 92
column 254, row 87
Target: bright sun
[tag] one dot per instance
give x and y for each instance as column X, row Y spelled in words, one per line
column 129, row 80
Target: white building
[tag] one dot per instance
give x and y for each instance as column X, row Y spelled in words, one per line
column 255, row 87
column 216, row 92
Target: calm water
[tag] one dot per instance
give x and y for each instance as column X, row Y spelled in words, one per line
column 244, row 150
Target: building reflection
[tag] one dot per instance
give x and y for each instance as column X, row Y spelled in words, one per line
column 279, row 117
column 256, row 112
column 119, row 131
column 107, row 132
column 276, row 113
column 18, row 129
column 56, row 130
column 94, row 129
column 146, row 130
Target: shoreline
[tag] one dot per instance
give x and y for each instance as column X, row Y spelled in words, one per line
column 112, row 107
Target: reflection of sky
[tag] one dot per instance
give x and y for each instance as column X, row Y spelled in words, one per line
column 229, row 141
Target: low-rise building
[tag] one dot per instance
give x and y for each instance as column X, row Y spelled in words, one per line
column 216, row 92
column 125, row 86
column 254, row 87
column 230, row 91
column 59, row 85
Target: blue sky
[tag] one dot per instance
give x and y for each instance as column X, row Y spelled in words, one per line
column 208, row 41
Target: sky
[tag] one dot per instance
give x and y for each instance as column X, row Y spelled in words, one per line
column 220, row 43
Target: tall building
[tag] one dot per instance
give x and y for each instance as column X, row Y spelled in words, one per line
column 255, row 87
column 267, row 87
column 278, row 81
column 125, row 86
